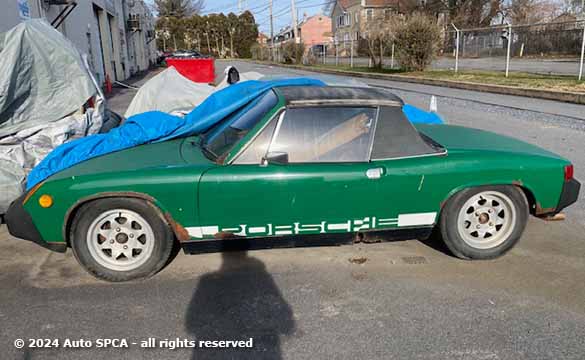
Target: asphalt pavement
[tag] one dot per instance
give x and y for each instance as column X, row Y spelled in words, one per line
column 393, row 300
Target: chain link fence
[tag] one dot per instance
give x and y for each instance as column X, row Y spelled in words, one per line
column 547, row 48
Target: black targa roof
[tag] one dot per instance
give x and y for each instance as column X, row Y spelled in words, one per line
column 312, row 94
column 395, row 135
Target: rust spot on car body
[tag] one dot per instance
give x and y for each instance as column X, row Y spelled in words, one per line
column 180, row 232
column 226, row 235
column 540, row 211
column 556, row 217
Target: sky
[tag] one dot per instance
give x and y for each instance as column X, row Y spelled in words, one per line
column 281, row 10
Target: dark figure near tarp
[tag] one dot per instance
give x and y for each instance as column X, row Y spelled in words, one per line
column 237, row 302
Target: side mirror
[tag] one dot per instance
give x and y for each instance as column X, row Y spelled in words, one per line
column 275, row 157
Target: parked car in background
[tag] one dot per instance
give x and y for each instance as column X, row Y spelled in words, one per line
column 187, row 54
column 320, row 163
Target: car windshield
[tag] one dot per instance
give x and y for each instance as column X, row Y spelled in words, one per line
column 221, row 139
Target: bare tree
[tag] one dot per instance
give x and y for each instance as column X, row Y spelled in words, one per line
column 178, row 8
column 465, row 13
column 378, row 33
column 521, row 12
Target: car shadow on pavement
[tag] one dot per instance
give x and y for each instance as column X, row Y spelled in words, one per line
column 435, row 242
column 238, row 302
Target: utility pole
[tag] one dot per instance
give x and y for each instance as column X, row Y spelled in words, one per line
column 582, row 18
column 293, row 10
column 582, row 53
column 508, row 50
column 456, row 47
column 271, row 34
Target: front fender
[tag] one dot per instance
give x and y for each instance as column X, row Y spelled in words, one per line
column 173, row 191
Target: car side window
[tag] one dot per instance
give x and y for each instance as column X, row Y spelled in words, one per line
column 224, row 137
column 258, row 147
column 326, row 134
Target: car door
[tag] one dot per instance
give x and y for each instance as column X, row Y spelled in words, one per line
column 327, row 185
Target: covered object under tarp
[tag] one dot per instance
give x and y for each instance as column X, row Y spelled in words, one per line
column 44, row 84
column 171, row 92
column 42, row 77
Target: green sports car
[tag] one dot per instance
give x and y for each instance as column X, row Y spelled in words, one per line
column 302, row 165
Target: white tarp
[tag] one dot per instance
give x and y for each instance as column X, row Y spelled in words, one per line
column 168, row 91
column 171, row 92
column 20, row 152
column 42, row 77
column 43, row 86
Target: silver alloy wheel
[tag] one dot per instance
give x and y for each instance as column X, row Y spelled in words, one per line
column 120, row 240
column 486, row 220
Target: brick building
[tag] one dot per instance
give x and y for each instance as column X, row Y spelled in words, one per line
column 262, row 38
column 313, row 31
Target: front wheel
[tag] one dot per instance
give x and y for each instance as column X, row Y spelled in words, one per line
column 484, row 222
column 120, row 239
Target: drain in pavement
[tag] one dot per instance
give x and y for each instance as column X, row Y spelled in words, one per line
column 415, row 260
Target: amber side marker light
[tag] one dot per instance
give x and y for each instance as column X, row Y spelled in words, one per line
column 45, row 201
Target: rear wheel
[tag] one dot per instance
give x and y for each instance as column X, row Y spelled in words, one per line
column 120, row 239
column 484, row 222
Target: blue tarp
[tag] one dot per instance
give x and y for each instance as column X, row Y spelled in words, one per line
column 416, row 115
column 156, row 126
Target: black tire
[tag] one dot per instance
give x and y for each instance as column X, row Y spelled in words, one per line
column 162, row 245
column 454, row 240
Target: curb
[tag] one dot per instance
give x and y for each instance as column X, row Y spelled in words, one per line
column 563, row 96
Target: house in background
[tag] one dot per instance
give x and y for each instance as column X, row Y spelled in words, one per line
column 313, row 31
column 262, row 38
column 350, row 16
column 116, row 35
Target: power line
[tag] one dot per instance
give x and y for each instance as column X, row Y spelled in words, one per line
column 223, row 8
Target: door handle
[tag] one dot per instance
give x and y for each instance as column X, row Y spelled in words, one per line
column 374, row 173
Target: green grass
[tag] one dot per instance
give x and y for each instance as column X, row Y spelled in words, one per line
column 515, row 79
column 360, row 69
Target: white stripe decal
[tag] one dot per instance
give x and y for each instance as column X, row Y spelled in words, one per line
column 417, row 219
column 195, row 232
column 340, row 226
column 367, row 223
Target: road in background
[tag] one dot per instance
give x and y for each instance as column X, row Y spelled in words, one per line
column 568, row 66
column 397, row 300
